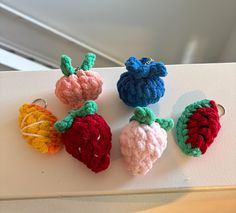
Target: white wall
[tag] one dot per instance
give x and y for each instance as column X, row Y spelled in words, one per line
column 32, row 41
column 173, row 30
column 229, row 52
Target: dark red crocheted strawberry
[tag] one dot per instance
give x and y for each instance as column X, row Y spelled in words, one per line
column 87, row 136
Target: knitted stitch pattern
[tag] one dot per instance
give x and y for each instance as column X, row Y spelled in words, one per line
column 141, row 85
column 144, row 140
column 76, row 87
column 87, row 137
column 37, row 127
column 197, row 127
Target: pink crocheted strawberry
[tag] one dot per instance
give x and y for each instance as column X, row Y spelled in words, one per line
column 78, row 85
column 144, row 140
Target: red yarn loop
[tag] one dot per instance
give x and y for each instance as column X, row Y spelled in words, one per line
column 89, row 141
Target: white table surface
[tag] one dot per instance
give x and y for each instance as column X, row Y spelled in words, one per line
column 25, row 173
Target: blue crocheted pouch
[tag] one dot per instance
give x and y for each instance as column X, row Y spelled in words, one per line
column 141, row 85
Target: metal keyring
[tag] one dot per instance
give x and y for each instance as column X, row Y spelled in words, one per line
column 221, row 109
column 150, row 60
column 42, row 101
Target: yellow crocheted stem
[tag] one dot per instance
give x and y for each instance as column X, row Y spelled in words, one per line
column 37, row 127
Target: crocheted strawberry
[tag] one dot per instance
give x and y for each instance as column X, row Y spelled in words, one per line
column 144, row 140
column 141, row 85
column 87, row 136
column 197, row 127
column 78, row 85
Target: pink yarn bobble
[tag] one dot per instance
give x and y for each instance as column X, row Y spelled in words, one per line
column 76, row 89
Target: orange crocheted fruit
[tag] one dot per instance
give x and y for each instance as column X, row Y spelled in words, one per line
column 37, row 127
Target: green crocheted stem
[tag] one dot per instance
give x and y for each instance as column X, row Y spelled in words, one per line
column 66, row 65
column 182, row 131
column 89, row 108
column 89, row 60
column 143, row 115
column 165, row 123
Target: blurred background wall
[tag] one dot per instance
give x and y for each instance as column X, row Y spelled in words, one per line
column 174, row 31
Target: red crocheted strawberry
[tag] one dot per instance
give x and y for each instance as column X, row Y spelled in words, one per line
column 87, row 136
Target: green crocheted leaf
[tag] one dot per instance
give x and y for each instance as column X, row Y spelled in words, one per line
column 88, row 62
column 167, row 123
column 143, row 115
column 63, row 125
column 89, row 108
column 66, row 65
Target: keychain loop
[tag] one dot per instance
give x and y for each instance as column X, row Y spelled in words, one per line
column 149, row 61
column 42, row 101
column 221, row 110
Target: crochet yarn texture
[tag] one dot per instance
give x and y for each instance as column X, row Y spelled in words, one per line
column 144, row 140
column 87, row 136
column 37, row 127
column 197, row 127
column 78, row 86
column 141, row 85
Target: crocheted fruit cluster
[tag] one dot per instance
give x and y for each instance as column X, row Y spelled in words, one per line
column 87, row 136
column 197, row 127
column 37, row 127
column 144, row 140
column 78, row 85
column 141, row 85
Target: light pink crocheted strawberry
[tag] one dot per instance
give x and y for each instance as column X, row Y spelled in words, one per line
column 78, row 85
column 143, row 140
